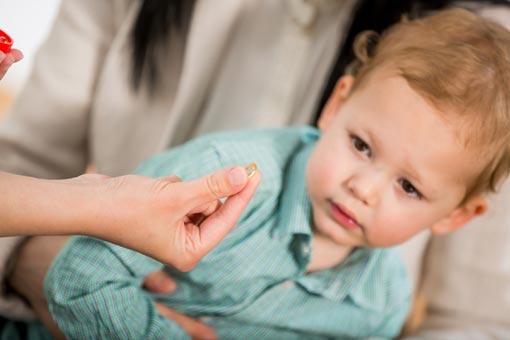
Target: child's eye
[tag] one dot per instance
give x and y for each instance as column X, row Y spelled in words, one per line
column 360, row 145
column 409, row 189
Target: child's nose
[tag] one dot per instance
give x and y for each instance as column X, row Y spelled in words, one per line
column 366, row 187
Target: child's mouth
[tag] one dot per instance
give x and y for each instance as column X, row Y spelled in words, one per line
column 343, row 216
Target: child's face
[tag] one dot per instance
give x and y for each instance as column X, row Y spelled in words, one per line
column 387, row 167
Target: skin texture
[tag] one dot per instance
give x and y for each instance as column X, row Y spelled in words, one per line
column 187, row 215
column 7, row 59
column 390, row 161
column 124, row 210
column 175, row 222
column 376, row 183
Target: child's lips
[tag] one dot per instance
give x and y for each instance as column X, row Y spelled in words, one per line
column 343, row 216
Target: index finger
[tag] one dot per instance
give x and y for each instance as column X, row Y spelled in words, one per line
column 216, row 185
column 220, row 223
column 6, row 60
column 16, row 54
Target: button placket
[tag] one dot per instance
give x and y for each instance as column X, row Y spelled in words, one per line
column 290, row 59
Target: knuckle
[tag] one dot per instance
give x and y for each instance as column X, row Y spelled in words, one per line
column 221, row 218
column 186, row 264
column 174, row 178
column 159, row 185
column 214, row 186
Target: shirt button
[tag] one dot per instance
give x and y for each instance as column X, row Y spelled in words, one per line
column 288, row 284
column 306, row 249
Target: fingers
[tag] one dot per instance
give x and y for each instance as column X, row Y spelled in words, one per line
column 7, row 59
column 16, row 54
column 199, row 214
column 222, row 183
column 217, row 225
column 159, row 282
column 172, row 179
column 194, row 328
column 206, row 208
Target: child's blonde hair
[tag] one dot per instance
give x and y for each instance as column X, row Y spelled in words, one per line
column 459, row 62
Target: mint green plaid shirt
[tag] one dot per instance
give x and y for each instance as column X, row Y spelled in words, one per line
column 254, row 285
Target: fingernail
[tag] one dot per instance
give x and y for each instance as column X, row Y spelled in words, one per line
column 236, row 176
column 251, row 169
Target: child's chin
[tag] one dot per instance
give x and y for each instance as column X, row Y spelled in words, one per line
column 335, row 233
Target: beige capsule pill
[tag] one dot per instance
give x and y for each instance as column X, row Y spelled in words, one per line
column 251, row 169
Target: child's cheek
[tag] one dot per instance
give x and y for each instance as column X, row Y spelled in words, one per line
column 392, row 228
column 318, row 168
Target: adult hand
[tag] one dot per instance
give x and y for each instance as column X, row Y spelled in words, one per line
column 7, row 59
column 172, row 221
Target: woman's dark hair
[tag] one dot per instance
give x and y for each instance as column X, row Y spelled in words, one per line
column 150, row 35
column 157, row 19
column 373, row 15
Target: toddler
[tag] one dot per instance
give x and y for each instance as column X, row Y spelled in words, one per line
column 410, row 141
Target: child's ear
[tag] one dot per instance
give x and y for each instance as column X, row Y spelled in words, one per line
column 460, row 216
column 340, row 93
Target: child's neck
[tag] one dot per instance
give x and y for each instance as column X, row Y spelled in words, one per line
column 326, row 253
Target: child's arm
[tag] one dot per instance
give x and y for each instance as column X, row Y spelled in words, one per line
column 94, row 292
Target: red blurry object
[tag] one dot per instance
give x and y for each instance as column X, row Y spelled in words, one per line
column 5, row 42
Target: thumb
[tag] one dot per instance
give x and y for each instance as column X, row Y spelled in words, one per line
column 222, row 183
column 217, row 225
column 17, row 55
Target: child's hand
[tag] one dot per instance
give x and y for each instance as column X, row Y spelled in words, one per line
column 7, row 59
column 196, row 330
column 160, row 282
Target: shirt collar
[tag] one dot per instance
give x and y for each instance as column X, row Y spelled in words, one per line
column 358, row 277
column 295, row 214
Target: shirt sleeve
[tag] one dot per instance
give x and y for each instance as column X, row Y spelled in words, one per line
column 191, row 160
column 94, row 292
column 94, row 287
column 399, row 296
column 395, row 319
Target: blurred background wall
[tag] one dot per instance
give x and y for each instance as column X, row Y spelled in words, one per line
column 28, row 23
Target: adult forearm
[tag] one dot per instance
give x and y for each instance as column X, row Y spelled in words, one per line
column 30, row 206
column 149, row 215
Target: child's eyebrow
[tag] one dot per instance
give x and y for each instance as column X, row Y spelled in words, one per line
column 407, row 168
column 413, row 174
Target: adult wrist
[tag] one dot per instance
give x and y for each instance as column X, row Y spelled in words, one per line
column 33, row 206
column 80, row 205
